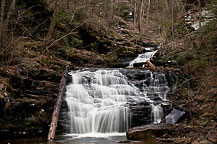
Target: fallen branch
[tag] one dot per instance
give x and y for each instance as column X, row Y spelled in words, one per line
column 55, row 116
column 150, row 64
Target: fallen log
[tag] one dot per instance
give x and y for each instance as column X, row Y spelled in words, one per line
column 150, row 64
column 57, row 107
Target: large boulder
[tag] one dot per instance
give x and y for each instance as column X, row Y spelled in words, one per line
column 147, row 132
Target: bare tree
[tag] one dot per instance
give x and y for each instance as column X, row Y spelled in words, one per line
column 148, row 11
column 2, row 14
column 112, row 8
column 141, row 15
column 53, row 22
column 12, row 7
column 135, row 12
column 4, row 23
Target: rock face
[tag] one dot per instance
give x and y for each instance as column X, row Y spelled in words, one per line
column 27, row 103
column 147, row 132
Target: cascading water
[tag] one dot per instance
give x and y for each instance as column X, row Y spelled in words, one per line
column 157, row 113
column 142, row 58
column 107, row 102
column 111, row 100
column 97, row 102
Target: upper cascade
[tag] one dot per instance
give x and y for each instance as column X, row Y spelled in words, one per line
column 143, row 58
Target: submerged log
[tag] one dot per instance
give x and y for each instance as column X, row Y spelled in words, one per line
column 55, row 116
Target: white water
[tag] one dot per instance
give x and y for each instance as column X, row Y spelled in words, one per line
column 157, row 113
column 193, row 18
column 142, row 58
column 98, row 101
column 96, row 135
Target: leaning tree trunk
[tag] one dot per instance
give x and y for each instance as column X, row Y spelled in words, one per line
column 57, row 107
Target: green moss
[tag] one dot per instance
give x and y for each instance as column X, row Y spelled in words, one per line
column 27, row 123
column 77, row 43
column 46, row 62
column 1, row 96
column 123, row 11
column 199, row 64
column 50, row 63
column 62, row 16
column 184, row 57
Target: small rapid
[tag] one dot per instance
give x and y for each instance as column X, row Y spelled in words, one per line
column 142, row 58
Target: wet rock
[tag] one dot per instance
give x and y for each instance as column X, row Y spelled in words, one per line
column 138, row 64
column 147, row 132
column 167, row 107
column 173, row 116
column 141, row 113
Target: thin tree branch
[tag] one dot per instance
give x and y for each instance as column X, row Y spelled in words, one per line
column 75, row 13
column 65, row 35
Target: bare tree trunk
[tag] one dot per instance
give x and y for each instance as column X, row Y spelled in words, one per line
column 167, row 5
column 135, row 12
column 2, row 16
column 172, row 13
column 12, row 7
column 53, row 22
column 148, row 11
column 112, row 9
column 157, row 6
column 141, row 15
column 2, row 12
column 4, row 26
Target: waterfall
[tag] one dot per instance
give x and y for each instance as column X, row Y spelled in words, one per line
column 157, row 113
column 142, row 58
column 97, row 102
column 113, row 100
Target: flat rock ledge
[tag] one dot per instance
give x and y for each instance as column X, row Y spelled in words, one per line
column 147, row 132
